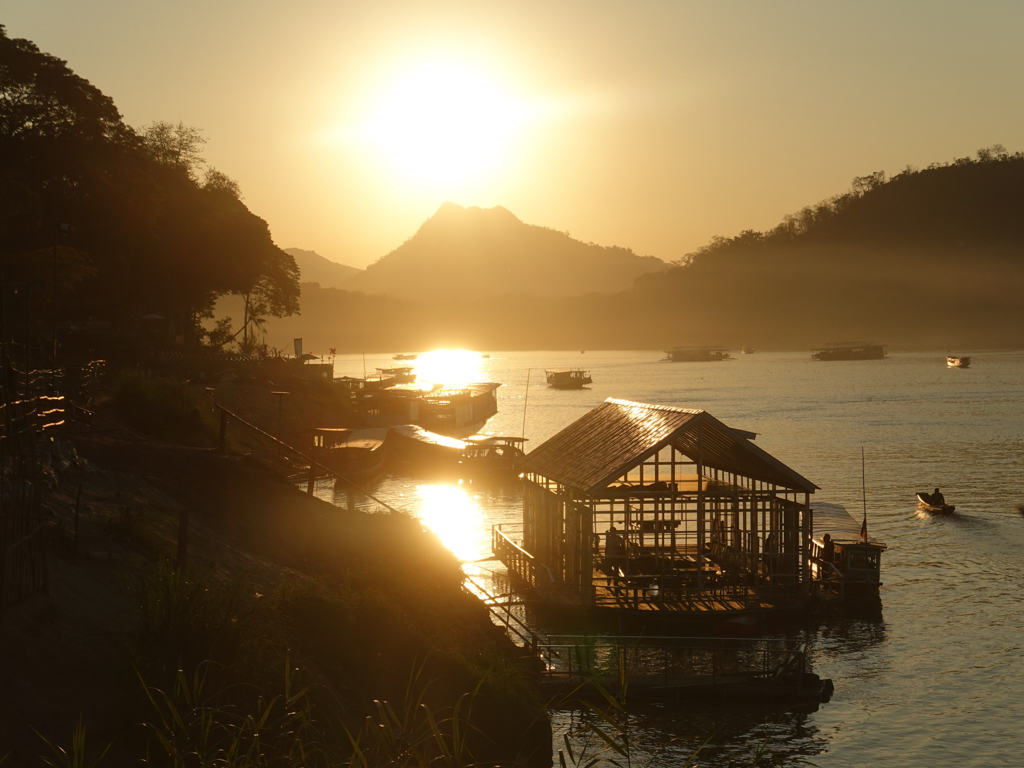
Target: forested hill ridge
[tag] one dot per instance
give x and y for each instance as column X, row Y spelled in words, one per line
column 314, row 268
column 926, row 258
column 471, row 252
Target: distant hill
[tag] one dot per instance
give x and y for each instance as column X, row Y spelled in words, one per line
column 472, row 252
column 928, row 258
column 314, row 268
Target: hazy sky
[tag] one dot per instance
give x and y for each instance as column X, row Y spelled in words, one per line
column 651, row 124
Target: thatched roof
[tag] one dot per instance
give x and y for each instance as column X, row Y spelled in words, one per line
column 617, row 435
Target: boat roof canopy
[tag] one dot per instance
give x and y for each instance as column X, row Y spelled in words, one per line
column 834, row 520
column 604, row 444
column 488, row 439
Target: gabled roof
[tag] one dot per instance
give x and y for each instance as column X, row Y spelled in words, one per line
column 617, row 435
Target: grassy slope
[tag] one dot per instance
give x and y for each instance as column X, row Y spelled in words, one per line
column 360, row 604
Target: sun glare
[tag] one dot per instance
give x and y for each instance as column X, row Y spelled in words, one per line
column 451, row 368
column 443, row 123
column 448, row 511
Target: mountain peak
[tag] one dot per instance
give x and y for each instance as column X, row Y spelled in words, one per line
column 455, row 213
column 460, row 252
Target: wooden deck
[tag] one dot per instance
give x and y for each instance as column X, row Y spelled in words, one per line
column 711, row 600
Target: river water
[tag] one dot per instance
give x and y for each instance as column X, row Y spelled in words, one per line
column 935, row 679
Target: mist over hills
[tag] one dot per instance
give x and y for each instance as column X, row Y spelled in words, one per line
column 314, row 268
column 927, row 259
column 461, row 253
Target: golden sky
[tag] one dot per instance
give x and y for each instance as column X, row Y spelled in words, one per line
column 650, row 124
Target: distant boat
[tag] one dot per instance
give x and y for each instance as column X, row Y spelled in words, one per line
column 405, row 357
column 924, row 501
column 568, row 378
column 697, row 354
column 748, row 350
column 954, row 361
column 849, row 350
column 389, row 377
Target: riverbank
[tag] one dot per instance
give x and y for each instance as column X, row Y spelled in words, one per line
column 283, row 592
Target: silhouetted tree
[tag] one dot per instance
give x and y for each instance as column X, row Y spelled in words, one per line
column 155, row 234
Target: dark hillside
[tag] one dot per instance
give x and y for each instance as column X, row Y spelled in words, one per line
column 928, row 258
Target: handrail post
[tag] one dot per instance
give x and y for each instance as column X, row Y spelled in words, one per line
column 222, row 440
column 312, row 479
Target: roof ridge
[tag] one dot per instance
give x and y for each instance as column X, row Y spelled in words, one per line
column 653, row 407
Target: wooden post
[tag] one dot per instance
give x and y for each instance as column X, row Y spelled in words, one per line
column 312, row 479
column 78, row 504
column 182, row 539
column 223, row 430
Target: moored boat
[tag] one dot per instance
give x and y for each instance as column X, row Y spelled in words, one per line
column 491, row 456
column 925, row 501
column 404, row 357
column 568, row 378
column 957, row 361
column 355, row 454
column 849, row 350
column 451, row 412
column 748, row 350
column 421, row 450
column 848, row 562
column 697, row 354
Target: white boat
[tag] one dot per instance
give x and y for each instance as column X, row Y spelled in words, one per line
column 956, row 361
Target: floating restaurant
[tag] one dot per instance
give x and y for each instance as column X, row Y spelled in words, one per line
column 656, row 510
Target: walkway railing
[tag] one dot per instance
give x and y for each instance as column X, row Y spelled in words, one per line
column 520, row 562
column 671, row 660
column 316, row 469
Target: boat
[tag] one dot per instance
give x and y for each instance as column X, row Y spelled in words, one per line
column 389, row 377
column 404, row 357
column 422, row 450
column 450, row 412
column 849, row 350
column 853, row 566
column 491, row 456
column 697, row 354
column 956, row 361
column 924, row 502
column 568, row 378
column 355, row 454
column 748, row 350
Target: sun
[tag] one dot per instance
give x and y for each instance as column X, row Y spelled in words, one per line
column 444, row 123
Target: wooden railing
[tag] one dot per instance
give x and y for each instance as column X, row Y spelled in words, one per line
column 519, row 562
column 316, row 469
column 672, row 659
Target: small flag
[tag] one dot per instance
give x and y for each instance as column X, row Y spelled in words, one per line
column 333, row 351
column 864, row 527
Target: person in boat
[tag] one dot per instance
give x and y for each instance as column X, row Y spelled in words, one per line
column 938, row 499
column 828, row 552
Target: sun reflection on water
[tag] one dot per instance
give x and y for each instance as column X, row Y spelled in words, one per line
column 449, row 512
column 452, row 368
